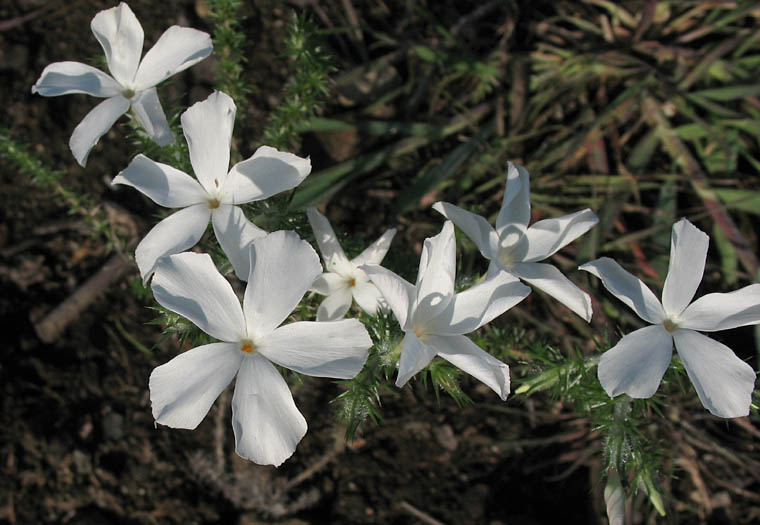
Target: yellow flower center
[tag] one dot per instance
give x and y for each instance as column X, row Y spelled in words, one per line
column 351, row 282
column 128, row 93
column 213, row 204
column 247, row 346
column 670, row 326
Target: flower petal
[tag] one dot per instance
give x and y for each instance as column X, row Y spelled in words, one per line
column 549, row 279
column 723, row 382
column 548, row 236
column 478, row 305
column 326, row 238
column 435, row 279
column 375, row 252
column 163, row 184
column 415, row 355
column 208, row 129
column 266, row 422
column 235, row 233
column 328, row 283
column 176, row 50
column 177, row 232
column 627, row 288
column 636, row 364
column 151, row 115
column 367, row 296
column 721, row 311
column 283, row 268
column 189, row 284
column 183, row 390
column 121, row 37
column 267, row 172
column 335, row 305
column 688, row 252
column 94, row 125
column 469, row 357
column 474, row 226
column 515, row 207
column 336, row 349
column 397, row 291
column 63, row 78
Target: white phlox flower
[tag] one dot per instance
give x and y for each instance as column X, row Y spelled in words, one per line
column 207, row 126
column 515, row 247
column 636, row 364
column 435, row 319
column 343, row 280
column 266, row 422
column 131, row 82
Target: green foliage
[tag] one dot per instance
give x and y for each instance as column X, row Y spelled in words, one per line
column 304, row 93
column 17, row 155
column 176, row 155
column 631, row 445
column 229, row 46
column 360, row 401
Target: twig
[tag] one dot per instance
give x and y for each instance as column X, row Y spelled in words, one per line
column 54, row 323
column 417, row 513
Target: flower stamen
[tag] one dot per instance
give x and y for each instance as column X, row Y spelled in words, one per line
column 247, row 346
column 670, row 326
column 213, row 204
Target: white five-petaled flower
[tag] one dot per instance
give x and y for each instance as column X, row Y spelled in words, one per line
column 517, row 248
column 636, row 364
column 208, row 128
column 266, row 422
column 435, row 319
column 343, row 279
column 131, row 82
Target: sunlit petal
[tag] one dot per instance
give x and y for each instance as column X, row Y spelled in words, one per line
column 149, row 112
column 688, row 252
column 63, row 78
column 550, row 280
column 94, row 125
column 189, row 284
column 337, row 349
column 235, row 233
column 469, row 357
column 121, row 37
column 548, row 236
column 268, row 172
column 478, row 305
column 397, row 291
column 435, row 281
column 474, row 226
column 636, row 364
column 367, row 296
column 335, row 305
column 283, row 268
column 375, row 252
column 208, row 129
column 325, row 236
column 721, row 311
column 165, row 185
column 515, row 207
column 176, row 50
column 177, row 232
column 266, row 422
column 183, row 390
column 723, row 382
column 627, row 288
column 415, row 355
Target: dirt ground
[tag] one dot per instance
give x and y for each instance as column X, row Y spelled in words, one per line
column 78, row 444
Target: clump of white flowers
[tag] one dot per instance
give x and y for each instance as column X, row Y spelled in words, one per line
column 280, row 268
